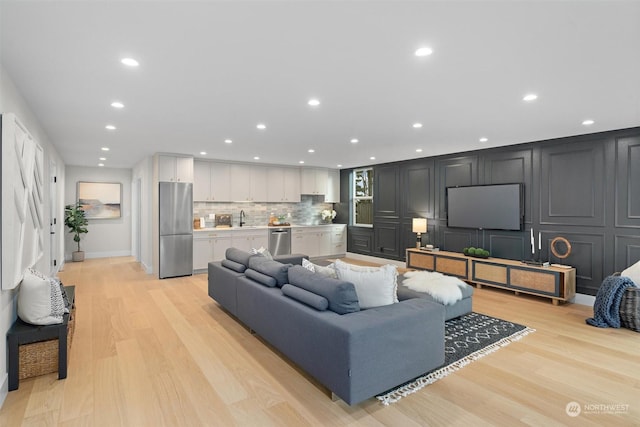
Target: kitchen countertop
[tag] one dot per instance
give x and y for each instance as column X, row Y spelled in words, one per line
column 258, row 227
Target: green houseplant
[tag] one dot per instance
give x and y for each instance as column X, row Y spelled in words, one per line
column 76, row 221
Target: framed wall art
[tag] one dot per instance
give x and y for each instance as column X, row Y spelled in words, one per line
column 100, row 200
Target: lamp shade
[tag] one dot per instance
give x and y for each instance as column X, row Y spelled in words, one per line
column 419, row 225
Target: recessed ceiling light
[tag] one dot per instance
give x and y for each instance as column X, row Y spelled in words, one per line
column 256, row 158
column 101, row 164
column 228, row 141
column 483, row 139
column 117, row 104
column 588, row 122
column 203, row 153
column 418, row 150
column 530, row 97
column 372, row 158
column 354, row 140
column 110, row 127
column 130, row 62
column 102, row 159
column 423, row 51
column 311, row 150
column 301, row 162
column 313, row 102
column 417, row 125
column 261, row 126
column 105, row 148
column 339, row 166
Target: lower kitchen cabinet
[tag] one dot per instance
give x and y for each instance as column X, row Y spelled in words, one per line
column 210, row 248
column 248, row 239
column 319, row 241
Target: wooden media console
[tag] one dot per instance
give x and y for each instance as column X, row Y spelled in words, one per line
column 556, row 283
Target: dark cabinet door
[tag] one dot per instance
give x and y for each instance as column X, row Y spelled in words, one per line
column 386, row 192
column 360, row 240
column 386, row 239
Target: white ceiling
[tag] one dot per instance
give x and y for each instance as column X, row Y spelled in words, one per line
column 211, row 70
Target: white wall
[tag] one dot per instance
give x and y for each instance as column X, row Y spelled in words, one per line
column 144, row 172
column 11, row 101
column 106, row 237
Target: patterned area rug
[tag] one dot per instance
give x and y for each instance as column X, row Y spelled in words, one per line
column 467, row 338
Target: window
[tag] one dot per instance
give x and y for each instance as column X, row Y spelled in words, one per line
column 363, row 197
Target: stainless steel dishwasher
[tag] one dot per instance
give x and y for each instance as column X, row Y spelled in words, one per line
column 280, row 241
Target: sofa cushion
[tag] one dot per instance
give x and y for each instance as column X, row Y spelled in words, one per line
column 341, row 295
column 272, row 268
column 237, row 255
column 318, row 302
column 375, row 286
column 235, row 266
column 328, row 271
column 261, row 278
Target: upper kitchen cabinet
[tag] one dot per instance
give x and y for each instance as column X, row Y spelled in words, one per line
column 211, row 181
column 248, row 183
column 333, row 187
column 313, row 181
column 175, row 168
column 283, row 185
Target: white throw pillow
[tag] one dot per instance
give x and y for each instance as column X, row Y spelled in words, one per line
column 375, row 286
column 633, row 272
column 38, row 301
column 261, row 251
column 328, row 271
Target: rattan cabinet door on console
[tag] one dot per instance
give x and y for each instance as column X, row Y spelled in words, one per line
column 556, row 283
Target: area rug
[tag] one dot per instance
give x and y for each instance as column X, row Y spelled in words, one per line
column 467, row 338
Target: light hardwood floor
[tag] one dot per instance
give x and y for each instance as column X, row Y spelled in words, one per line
column 150, row 352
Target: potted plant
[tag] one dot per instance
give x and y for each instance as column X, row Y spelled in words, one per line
column 76, row 221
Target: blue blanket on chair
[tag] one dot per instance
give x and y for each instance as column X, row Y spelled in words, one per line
column 606, row 309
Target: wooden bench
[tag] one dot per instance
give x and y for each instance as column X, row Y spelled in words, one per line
column 22, row 333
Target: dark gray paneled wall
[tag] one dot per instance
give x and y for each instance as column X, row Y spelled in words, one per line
column 584, row 188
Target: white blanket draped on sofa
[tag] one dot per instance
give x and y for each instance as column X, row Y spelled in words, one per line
column 444, row 289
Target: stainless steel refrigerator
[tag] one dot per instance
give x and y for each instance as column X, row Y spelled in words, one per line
column 176, row 229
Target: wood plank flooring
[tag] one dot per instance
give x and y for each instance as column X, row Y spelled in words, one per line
column 150, row 352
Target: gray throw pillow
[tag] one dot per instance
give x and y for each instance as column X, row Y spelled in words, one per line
column 275, row 269
column 318, row 302
column 341, row 295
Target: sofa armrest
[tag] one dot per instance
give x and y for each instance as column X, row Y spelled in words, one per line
column 295, row 259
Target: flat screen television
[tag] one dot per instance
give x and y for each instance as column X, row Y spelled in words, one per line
column 486, row 207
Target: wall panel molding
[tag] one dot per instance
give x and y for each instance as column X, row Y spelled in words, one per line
column 627, row 204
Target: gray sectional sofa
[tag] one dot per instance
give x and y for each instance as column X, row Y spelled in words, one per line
column 317, row 323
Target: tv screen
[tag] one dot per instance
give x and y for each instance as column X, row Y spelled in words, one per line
column 489, row 207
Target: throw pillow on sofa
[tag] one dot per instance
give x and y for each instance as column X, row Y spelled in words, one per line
column 341, row 295
column 261, row 251
column 40, row 300
column 275, row 269
column 328, row 271
column 375, row 286
column 633, row 273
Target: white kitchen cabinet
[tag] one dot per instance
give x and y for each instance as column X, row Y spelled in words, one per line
column 208, row 247
column 175, row 168
column 247, row 239
column 333, row 186
column 313, row 181
column 283, row 185
column 211, row 181
column 315, row 241
column 248, row 183
column 202, row 253
column 338, row 239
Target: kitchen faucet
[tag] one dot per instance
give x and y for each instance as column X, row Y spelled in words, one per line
column 242, row 222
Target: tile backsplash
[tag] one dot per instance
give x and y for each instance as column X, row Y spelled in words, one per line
column 307, row 212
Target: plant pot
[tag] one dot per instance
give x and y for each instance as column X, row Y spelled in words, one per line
column 77, row 256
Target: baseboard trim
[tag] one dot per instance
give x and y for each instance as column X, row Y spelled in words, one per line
column 4, row 389
column 110, row 254
column 583, row 299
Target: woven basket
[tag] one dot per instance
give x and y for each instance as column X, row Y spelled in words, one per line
column 630, row 309
column 40, row 358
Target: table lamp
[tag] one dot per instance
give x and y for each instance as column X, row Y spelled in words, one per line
column 419, row 226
